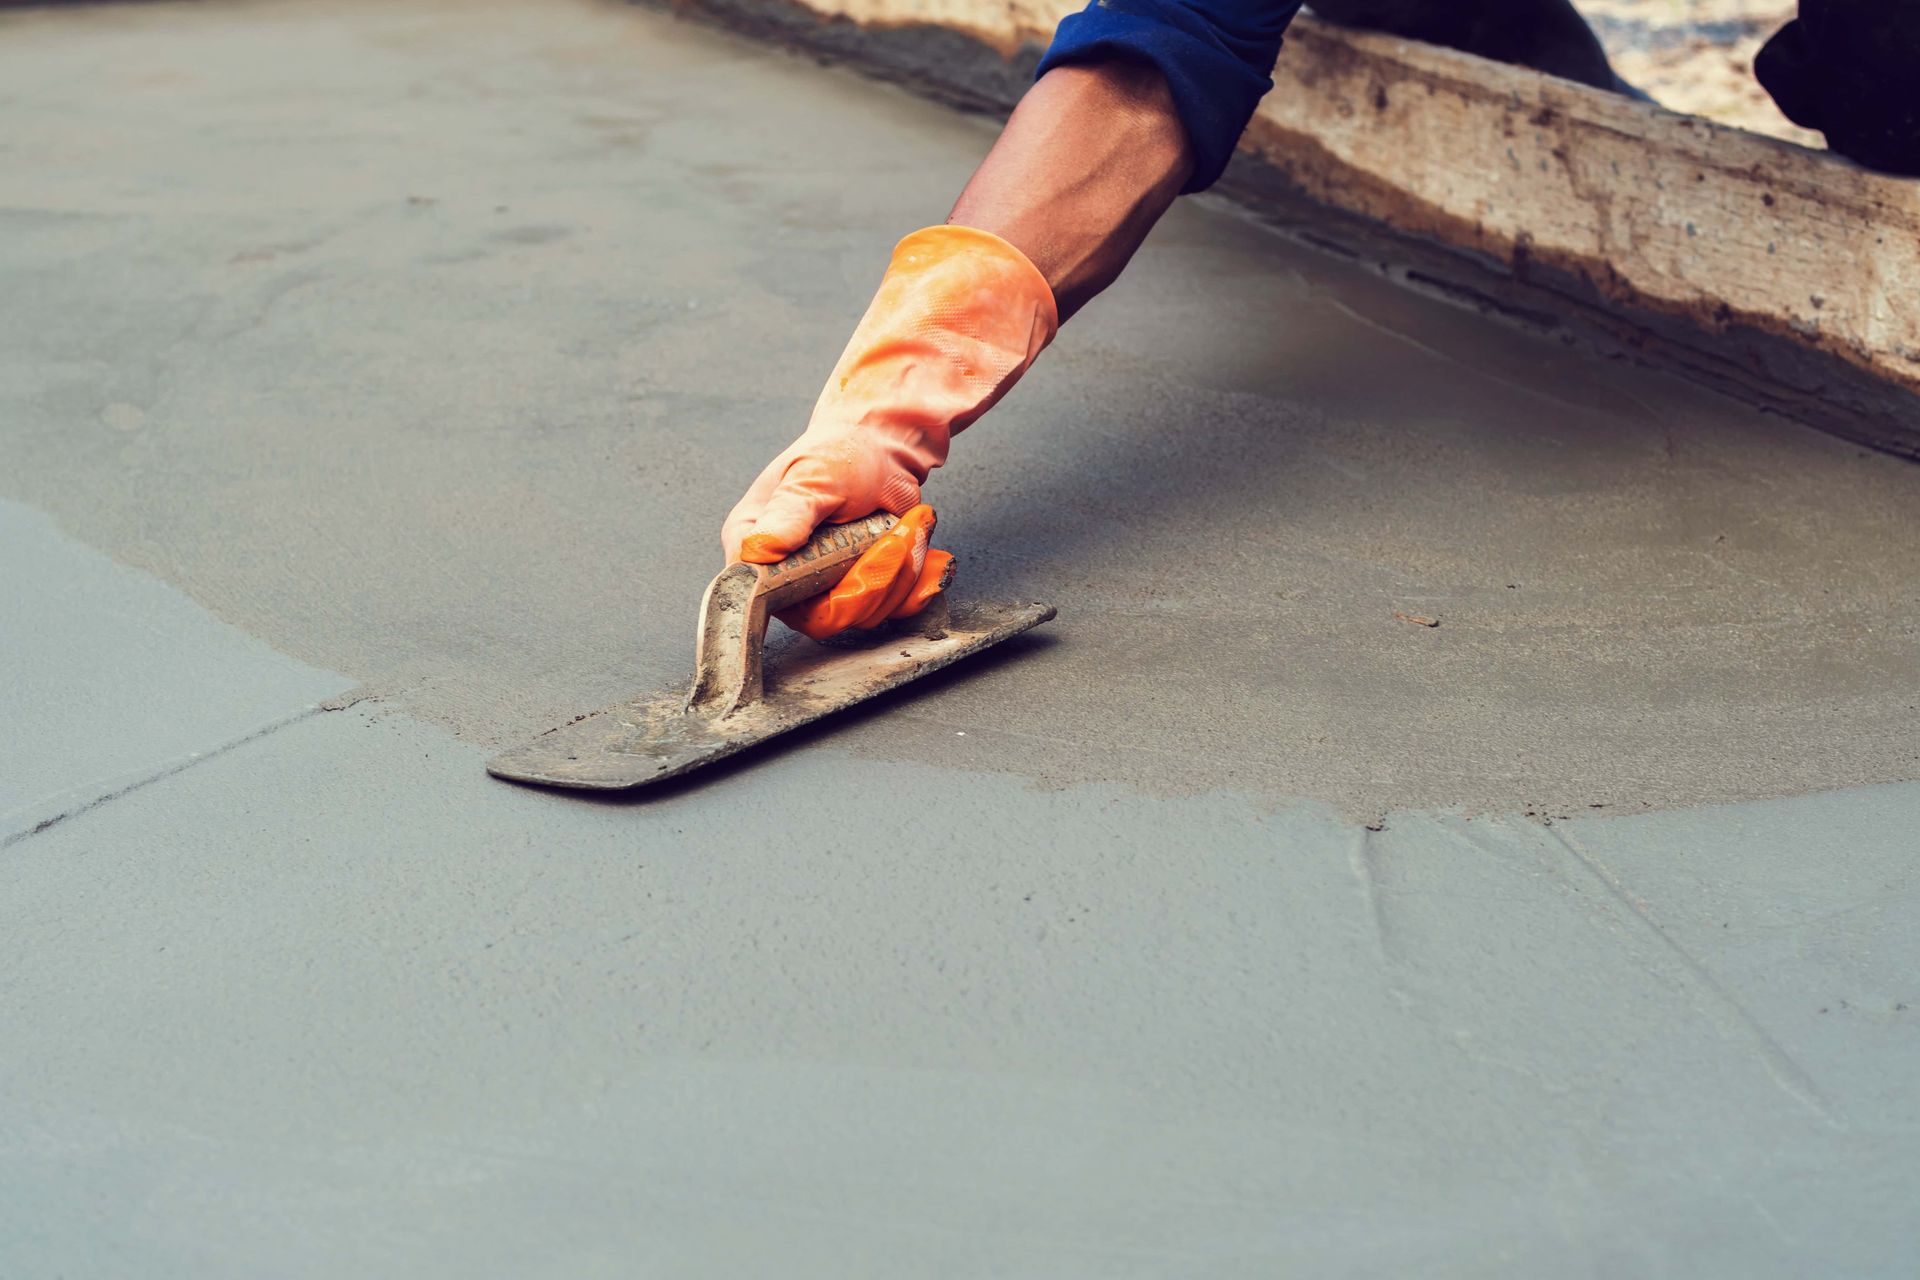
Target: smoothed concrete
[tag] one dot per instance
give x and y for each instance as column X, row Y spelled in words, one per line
column 426, row 343
column 346, row 1011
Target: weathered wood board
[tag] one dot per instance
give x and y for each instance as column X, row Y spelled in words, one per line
column 1786, row 274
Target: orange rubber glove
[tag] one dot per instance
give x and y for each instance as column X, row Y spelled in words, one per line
column 896, row 578
column 959, row 316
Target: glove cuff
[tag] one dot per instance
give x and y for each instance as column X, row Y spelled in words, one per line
column 998, row 265
column 957, row 319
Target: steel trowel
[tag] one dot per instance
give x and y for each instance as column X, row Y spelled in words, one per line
column 746, row 690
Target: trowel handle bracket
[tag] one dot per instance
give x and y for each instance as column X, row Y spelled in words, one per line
column 730, row 648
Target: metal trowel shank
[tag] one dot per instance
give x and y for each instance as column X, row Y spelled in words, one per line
column 745, row 691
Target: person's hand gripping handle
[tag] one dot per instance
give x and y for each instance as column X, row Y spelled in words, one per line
column 959, row 316
column 895, row 578
column 805, row 589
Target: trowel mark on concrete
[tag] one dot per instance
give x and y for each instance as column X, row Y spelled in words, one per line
column 1367, row 877
column 1504, row 838
column 1792, row 1077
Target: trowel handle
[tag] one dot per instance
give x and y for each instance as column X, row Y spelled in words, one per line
column 822, row 561
column 733, row 616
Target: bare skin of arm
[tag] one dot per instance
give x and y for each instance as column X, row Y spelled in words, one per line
column 1091, row 158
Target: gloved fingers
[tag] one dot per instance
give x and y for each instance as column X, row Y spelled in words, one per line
column 816, row 619
column 902, row 557
column 892, row 578
column 740, row 521
column 814, row 488
column 879, row 583
column 935, row 576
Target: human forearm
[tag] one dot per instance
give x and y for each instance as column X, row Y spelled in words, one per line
column 1091, row 158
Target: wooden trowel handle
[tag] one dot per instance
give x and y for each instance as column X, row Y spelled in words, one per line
column 733, row 614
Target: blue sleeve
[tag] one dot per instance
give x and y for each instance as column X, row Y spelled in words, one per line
column 1217, row 56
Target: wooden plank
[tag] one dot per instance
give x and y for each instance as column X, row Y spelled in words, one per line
column 1653, row 209
column 1787, row 274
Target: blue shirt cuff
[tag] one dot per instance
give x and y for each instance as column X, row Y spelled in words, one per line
column 1217, row 57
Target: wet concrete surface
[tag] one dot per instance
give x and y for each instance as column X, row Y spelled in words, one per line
column 406, row 355
column 434, row 364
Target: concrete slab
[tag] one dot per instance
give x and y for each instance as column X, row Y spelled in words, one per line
column 426, row 342
column 434, row 356
column 110, row 678
column 344, row 1011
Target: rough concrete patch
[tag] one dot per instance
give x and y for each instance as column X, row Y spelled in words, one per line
column 483, row 477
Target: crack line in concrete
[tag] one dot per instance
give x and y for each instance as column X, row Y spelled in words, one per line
column 1792, row 1078
column 150, row 776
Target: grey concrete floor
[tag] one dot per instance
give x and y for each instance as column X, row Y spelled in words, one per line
column 373, row 378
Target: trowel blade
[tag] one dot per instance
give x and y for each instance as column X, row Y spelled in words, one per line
column 653, row 738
